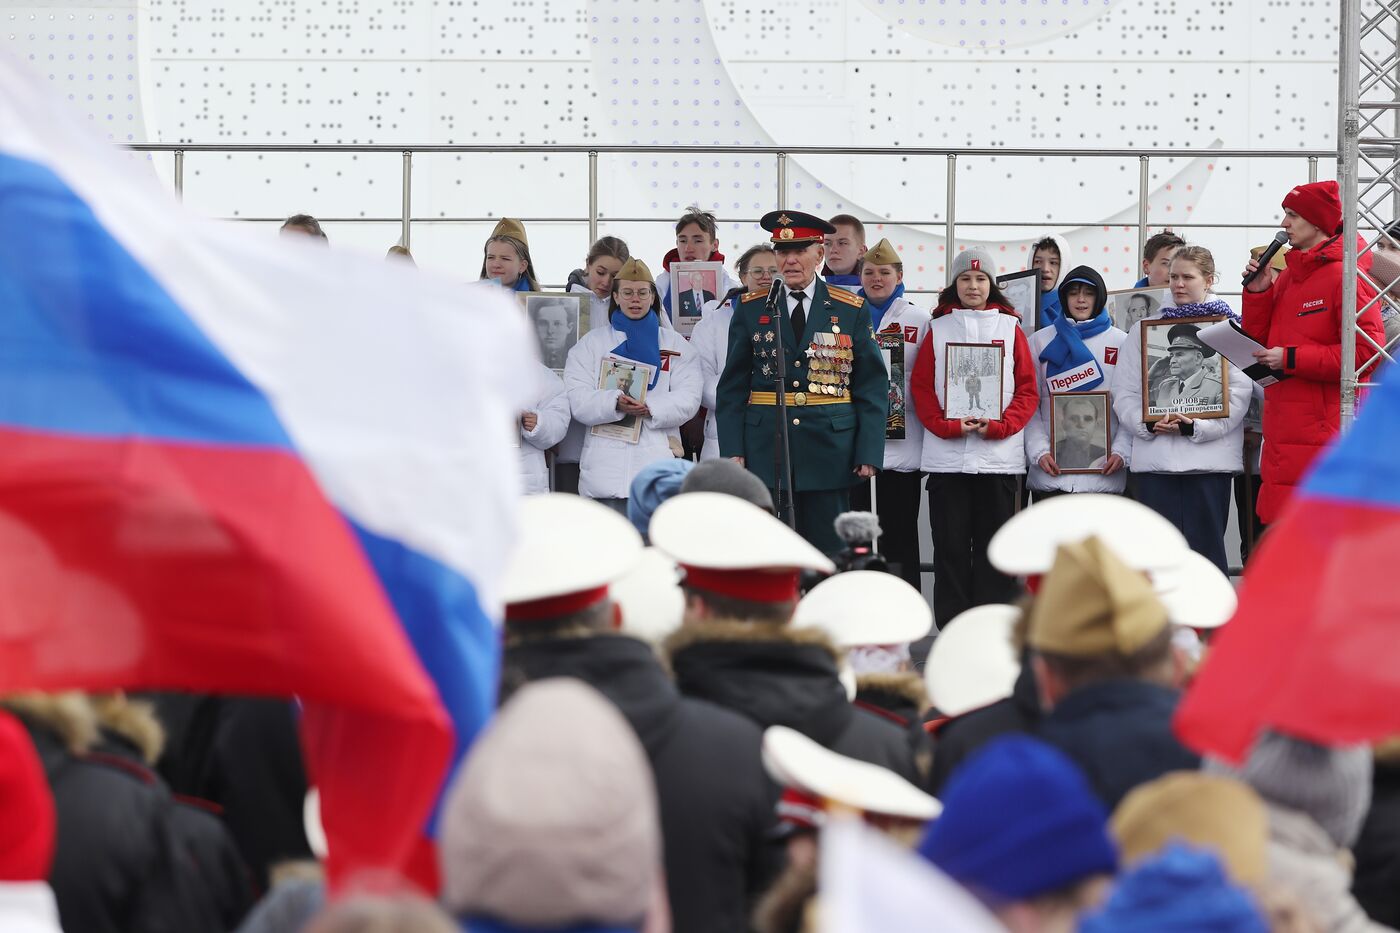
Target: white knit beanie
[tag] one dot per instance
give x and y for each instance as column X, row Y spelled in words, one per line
column 1331, row 785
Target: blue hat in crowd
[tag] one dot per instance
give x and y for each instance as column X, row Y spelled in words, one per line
column 655, row 483
column 1181, row 890
column 1019, row 821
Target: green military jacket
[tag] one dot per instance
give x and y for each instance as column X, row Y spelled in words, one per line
column 827, row 442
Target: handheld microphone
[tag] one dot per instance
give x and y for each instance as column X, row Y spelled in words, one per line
column 1280, row 238
column 775, row 291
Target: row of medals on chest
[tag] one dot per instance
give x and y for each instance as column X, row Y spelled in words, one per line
column 830, row 356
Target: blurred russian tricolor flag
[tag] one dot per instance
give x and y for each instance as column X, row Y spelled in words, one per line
column 1314, row 649
column 230, row 464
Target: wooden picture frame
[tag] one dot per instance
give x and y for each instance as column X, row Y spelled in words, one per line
column 543, row 309
column 972, row 378
column 1080, row 447
column 1195, row 383
column 1022, row 290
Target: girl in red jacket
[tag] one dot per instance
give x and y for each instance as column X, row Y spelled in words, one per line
column 1297, row 313
column 974, row 463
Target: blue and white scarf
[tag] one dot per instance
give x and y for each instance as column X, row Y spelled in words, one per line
column 1208, row 308
column 641, row 341
column 1069, row 364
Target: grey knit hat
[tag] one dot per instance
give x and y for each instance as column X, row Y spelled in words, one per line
column 728, row 477
column 974, row 258
column 1331, row 785
column 552, row 819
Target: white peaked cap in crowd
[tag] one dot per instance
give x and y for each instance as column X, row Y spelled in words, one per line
column 1025, row 546
column 795, row 761
column 312, row 825
column 731, row 547
column 1196, row 594
column 972, row 663
column 865, row 607
column 650, row 597
column 570, row 549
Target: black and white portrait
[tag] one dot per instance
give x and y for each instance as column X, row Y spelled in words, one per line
column 1079, row 431
column 1022, row 289
column 1180, row 374
column 557, row 319
column 972, row 375
column 1127, row 307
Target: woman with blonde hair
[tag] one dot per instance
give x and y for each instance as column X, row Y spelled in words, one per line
column 506, row 258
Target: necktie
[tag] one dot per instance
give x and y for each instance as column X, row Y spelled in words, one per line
column 799, row 317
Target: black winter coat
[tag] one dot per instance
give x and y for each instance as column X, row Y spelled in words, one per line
column 781, row 676
column 957, row 739
column 116, row 866
column 218, row 884
column 1120, row 733
column 1377, row 880
column 718, row 808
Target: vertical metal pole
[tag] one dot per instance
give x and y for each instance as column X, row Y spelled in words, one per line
column 1144, row 179
column 407, row 198
column 1312, row 169
column 592, row 198
column 950, row 232
column 180, row 174
column 782, row 180
column 1349, row 131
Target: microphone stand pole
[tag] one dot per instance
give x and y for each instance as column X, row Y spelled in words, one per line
column 784, row 500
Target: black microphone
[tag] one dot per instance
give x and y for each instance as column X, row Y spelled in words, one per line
column 1280, row 238
column 775, row 292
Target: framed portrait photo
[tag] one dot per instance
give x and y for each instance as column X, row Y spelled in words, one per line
column 1079, row 434
column 693, row 285
column 557, row 320
column 1129, row 305
column 891, row 343
column 972, row 378
column 1022, row 289
column 1180, row 373
column 631, row 379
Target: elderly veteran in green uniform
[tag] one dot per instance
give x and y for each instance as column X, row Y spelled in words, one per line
column 836, row 388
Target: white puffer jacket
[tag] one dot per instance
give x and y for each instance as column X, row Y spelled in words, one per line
column 553, row 421
column 905, row 456
column 608, row 466
column 1216, row 444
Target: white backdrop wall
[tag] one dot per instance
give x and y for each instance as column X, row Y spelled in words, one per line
column 883, row 73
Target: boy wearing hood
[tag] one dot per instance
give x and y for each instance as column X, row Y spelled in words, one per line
column 1048, row 255
column 1078, row 352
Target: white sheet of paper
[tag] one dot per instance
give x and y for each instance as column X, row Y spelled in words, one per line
column 1227, row 339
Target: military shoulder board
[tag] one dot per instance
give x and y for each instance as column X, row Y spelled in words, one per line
column 845, row 297
column 753, row 295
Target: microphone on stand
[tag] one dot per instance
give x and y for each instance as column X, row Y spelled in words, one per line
column 1280, row 238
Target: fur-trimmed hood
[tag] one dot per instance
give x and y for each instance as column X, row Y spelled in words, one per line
column 902, row 694
column 69, row 716
column 774, row 674
column 132, row 720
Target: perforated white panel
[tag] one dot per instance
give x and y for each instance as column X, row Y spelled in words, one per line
column 879, row 73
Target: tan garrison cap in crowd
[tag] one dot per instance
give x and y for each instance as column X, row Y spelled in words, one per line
column 882, row 255
column 1091, row 603
column 511, row 228
column 1205, row 810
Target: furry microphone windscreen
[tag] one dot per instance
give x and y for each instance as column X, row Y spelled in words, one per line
column 857, row 527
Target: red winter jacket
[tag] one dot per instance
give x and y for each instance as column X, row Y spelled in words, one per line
column 1301, row 312
column 1024, row 400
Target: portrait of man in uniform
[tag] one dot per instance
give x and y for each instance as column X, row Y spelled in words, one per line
column 1079, row 426
column 974, row 380
column 1181, row 374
